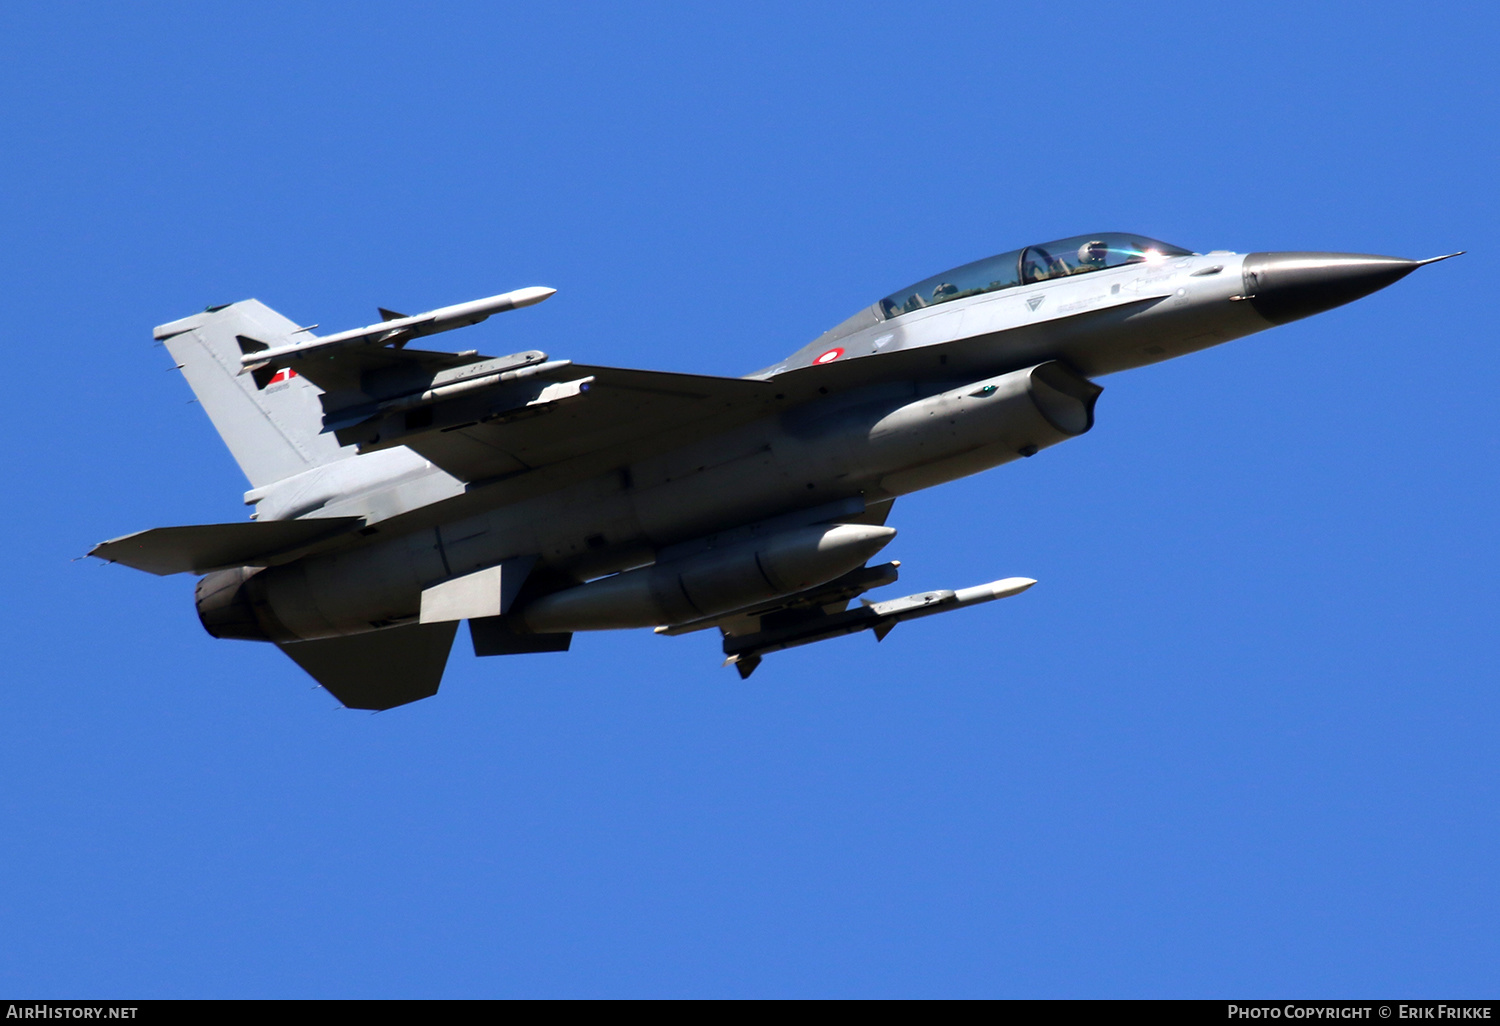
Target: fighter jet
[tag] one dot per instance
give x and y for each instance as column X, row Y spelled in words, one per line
column 399, row 490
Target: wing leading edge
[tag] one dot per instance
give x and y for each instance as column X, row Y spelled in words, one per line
column 610, row 408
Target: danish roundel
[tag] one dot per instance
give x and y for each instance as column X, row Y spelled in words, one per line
column 831, row 355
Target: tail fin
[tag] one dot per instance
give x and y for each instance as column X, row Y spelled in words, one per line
column 273, row 431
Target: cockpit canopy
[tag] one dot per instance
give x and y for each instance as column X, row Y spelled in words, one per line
column 1078, row 255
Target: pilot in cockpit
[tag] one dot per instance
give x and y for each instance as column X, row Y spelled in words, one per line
column 1092, row 256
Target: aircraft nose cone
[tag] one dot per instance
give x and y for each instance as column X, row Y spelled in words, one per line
column 1284, row 287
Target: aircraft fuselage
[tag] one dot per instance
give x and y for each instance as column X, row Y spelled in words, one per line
column 399, row 491
column 942, row 397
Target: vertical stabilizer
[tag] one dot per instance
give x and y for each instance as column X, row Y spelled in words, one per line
column 273, row 431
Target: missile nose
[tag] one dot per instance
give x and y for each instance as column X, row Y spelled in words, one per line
column 1285, row 287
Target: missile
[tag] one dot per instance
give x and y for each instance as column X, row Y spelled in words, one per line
column 398, row 331
column 478, row 383
column 930, row 603
column 745, row 651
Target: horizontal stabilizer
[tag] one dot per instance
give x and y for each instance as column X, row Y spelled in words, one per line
column 201, row 548
column 381, row 669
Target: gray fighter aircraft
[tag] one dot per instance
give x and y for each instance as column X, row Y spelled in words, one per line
column 398, row 491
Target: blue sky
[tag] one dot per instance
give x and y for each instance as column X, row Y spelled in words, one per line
column 1240, row 740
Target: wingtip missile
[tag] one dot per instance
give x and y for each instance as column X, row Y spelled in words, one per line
column 461, row 315
column 531, row 296
column 400, row 330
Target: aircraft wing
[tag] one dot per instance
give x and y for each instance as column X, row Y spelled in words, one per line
column 202, row 548
column 482, row 418
column 568, row 411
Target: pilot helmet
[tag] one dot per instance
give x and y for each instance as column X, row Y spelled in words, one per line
column 1093, row 252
